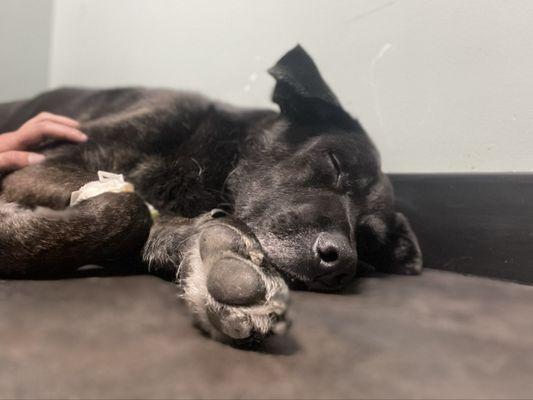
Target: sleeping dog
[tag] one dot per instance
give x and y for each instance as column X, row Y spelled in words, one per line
column 251, row 201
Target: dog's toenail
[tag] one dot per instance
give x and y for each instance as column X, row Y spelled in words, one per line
column 280, row 328
column 232, row 281
column 218, row 213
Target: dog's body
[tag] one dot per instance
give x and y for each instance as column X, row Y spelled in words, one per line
column 304, row 189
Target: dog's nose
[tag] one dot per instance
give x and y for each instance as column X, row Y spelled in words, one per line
column 337, row 260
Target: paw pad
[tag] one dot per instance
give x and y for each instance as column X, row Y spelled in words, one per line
column 234, row 326
column 232, row 281
column 217, row 239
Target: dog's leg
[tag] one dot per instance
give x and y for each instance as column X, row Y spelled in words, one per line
column 225, row 278
column 41, row 237
column 48, row 185
column 42, row 242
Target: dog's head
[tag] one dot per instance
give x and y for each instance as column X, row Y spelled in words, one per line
column 311, row 188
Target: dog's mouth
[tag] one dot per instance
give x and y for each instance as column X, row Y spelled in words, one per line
column 325, row 282
column 319, row 283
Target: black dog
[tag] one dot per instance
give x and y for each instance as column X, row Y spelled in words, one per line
column 302, row 190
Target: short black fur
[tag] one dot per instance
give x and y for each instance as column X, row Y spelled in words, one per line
column 303, row 187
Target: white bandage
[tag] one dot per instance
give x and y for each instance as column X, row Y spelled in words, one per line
column 107, row 182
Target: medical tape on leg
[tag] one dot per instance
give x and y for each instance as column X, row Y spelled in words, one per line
column 107, row 182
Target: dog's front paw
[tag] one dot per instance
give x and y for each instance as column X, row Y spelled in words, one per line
column 233, row 292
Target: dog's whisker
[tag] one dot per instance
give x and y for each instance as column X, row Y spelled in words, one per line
column 200, row 168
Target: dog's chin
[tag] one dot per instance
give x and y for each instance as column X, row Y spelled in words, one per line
column 323, row 287
column 318, row 285
column 298, row 282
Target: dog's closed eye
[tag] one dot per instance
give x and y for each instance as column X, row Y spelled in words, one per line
column 336, row 166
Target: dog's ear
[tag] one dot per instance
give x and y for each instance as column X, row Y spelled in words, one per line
column 390, row 245
column 302, row 94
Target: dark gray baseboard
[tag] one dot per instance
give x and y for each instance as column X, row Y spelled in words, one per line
column 479, row 224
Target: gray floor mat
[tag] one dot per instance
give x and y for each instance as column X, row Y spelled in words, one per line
column 438, row 335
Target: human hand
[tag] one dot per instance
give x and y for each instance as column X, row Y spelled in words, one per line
column 34, row 131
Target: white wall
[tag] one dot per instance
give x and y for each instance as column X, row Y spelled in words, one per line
column 24, row 47
column 441, row 85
